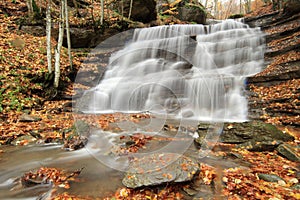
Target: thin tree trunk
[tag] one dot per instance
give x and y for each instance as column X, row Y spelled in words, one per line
column 59, row 45
column 102, row 12
column 48, row 32
column 241, row 7
column 92, row 13
column 76, row 8
column 30, row 7
column 68, row 34
column 122, row 9
column 130, row 9
column 216, row 9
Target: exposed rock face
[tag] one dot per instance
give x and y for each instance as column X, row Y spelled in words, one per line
column 34, row 30
column 80, row 38
column 85, row 38
column 183, row 10
column 191, row 14
column 142, row 10
column 288, row 152
column 270, row 177
column 282, row 75
column 156, row 169
column 253, row 135
column 243, row 132
column 291, row 7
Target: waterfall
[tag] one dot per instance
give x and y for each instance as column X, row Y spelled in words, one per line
column 190, row 71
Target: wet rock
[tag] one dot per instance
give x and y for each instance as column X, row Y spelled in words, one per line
column 252, row 135
column 262, row 144
column 75, row 143
column 270, row 177
column 296, row 186
column 288, row 152
column 23, row 140
column 200, row 191
column 157, row 169
column 28, row 118
column 245, row 131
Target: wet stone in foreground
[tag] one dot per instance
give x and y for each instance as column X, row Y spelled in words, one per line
column 156, row 169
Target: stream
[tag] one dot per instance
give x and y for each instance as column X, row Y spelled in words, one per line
column 19, row 160
column 101, row 175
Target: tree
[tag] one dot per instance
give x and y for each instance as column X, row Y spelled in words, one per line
column 29, row 4
column 68, row 33
column 102, row 12
column 216, row 8
column 59, row 44
column 48, row 33
column 248, row 6
column 130, row 9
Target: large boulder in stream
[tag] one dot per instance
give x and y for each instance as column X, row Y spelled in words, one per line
column 157, row 169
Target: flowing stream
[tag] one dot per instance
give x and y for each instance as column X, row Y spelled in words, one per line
column 188, row 71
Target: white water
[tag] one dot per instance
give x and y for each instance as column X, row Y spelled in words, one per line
column 191, row 71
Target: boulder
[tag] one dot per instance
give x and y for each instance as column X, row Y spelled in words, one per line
column 85, row 37
column 157, row 169
column 251, row 135
column 183, row 10
column 243, row 132
column 29, row 118
column 288, row 152
column 270, row 177
column 38, row 31
column 260, row 144
column 291, row 7
column 142, row 10
column 191, row 13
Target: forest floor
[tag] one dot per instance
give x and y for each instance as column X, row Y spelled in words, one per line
column 31, row 112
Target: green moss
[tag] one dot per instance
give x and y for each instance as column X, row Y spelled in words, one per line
column 235, row 16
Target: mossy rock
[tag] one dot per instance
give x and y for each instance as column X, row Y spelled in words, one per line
column 237, row 133
column 235, row 16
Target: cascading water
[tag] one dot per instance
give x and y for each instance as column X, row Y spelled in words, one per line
column 191, row 71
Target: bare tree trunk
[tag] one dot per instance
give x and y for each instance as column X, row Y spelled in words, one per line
column 206, row 3
column 122, row 9
column 76, row 8
column 241, row 11
column 30, row 7
column 68, row 34
column 248, row 6
column 59, row 45
column 48, row 33
column 92, row 13
column 102, row 12
column 130, row 9
column 249, row 2
column 216, row 9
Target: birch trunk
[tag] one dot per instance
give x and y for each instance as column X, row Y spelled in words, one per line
column 102, row 12
column 130, row 9
column 68, row 34
column 48, row 33
column 59, row 45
